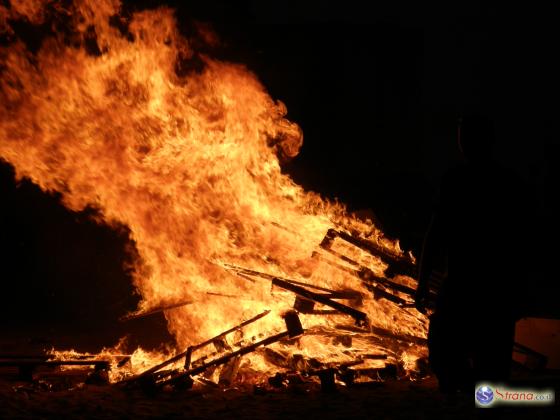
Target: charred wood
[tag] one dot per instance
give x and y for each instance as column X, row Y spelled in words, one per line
column 382, row 332
column 224, row 359
column 154, row 311
column 26, row 367
column 293, row 329
column 397, row 263
column 229, row 372
column 188, row 353
column 359, row 316
column 375, row 284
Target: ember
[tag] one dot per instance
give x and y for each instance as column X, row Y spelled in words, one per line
column 191, row 164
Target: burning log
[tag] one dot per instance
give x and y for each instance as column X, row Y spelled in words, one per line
column 240, row 352
column 359, row 316
column 376, row 284
column 98, row 364
column 26, row 367
column 400, row 337
column 293, row 324
column 291, row 362
column 343, row 340
column 388, row 344
column 373, row 286
column 307, row 306
column 382, row 332
column 304, row 306
column 24, row 356
column 310, row 366
column 299, row 288
column 334, row 294
column 323, row 312
column 369, row 276
column 187, row 354
column 396, row 263
column 325, row 372
column 154, row 311
column 293, row 330
column 277, row 358
column 349, row 376
column 247, row 272
column 340, row 256
column 229, row 371
column 379, row 293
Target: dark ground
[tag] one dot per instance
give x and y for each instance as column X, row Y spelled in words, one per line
column 393, row 399
column 376, row 89
column 388, row 400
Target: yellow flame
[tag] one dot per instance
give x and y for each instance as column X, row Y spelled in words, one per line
column 190, row 163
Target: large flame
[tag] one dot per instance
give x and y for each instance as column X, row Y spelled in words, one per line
column 188, row 160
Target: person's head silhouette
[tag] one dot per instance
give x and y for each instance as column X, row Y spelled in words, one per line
column 476, row 137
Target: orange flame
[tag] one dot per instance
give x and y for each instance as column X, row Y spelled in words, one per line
column 190, row 163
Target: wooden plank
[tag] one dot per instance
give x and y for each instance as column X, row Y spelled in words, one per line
column 359, row 316
column 41, row 362
column 179, row 356
column 397, row 263
column 225, row 358
column 154, row 311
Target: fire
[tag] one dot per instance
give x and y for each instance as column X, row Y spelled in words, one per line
column 189, row 161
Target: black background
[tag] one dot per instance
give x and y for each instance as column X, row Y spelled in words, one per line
column 376, row 88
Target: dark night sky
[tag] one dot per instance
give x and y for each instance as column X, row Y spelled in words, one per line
column 376, row 89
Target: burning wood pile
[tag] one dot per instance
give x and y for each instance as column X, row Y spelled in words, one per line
column 260, row 281
column 220, row 357
column 218, row 361
column 106, row 112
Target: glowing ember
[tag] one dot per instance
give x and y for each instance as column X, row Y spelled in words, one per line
column 189, row 162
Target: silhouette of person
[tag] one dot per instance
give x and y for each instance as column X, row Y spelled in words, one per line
column 478, row 227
